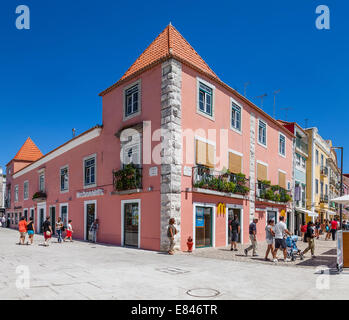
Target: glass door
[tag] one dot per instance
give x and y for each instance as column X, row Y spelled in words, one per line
column 203, row 227
column 90, row 217
column 64, row 215
column 131, row 223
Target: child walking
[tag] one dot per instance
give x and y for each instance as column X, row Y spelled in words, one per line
column 69, row 234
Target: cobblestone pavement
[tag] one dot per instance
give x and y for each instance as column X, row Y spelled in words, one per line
column 325, row 252
column 81, row 270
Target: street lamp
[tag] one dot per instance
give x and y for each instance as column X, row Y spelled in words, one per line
column 341, row 190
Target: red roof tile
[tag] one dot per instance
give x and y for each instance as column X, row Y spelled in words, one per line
column 28, row 152
column 169, row 43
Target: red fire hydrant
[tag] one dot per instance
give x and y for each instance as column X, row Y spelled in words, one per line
column 190, row 244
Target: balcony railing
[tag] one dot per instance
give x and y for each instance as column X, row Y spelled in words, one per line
column 128, row 178
column 302, row 145
column 227, row 182
column 266, row 191
column 333, row 181
column 324, row 171
column 7, row 204
column 323, row 198
column 39, row 196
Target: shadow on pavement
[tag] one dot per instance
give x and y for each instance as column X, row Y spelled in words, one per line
column 319, row 261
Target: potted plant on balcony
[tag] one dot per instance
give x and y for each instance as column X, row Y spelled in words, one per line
column 39, row 196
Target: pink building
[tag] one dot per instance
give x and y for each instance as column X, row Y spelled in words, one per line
column 175, row 142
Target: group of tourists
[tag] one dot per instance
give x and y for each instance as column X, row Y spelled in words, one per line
column 276, row 234
column 27, row 228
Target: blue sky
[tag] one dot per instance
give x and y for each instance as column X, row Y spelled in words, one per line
column 50, row 75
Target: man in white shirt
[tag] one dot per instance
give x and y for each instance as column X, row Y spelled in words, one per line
column 280, row 230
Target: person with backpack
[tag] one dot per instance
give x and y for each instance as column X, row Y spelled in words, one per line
column 171, row 232
column 59, row 229
column 309, row 237
column 235, row 230
column 30, row 230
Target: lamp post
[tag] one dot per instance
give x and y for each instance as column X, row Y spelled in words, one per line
column 341, row 190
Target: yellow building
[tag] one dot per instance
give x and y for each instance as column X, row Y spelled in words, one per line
column 319, row 166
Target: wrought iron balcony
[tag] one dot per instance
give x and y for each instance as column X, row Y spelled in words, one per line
column 128, row 178
column 206, row 178
column 324, row 198
column 324, row 171
column 266, row 191
column 333, row 181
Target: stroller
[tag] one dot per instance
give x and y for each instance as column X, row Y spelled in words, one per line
column 292, row 249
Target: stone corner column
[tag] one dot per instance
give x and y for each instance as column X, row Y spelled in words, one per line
column 171, row 149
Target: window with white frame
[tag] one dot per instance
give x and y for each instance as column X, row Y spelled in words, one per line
column 316, row 186
column 317, row 156
column 90, row 171
column 282, row 144
column 131, row 154
column 132, row 100
column 262, row 132
column 235, row 116
column 42, row 182
column 16, row 193
column 205, row 99
column 26, row 190
column 64, row 175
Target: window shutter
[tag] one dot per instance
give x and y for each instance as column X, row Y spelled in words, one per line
column 210, row 155
column 200, row 152
column 235, row 163
column 282, row 180
column 262, row 171
column 204, row 154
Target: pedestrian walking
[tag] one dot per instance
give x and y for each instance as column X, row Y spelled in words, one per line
column 280, row 239
column 47, row 231
column 309, row 238
column 93, row 231
column 317, row 228
column 22, row 228
column 59, row 229
column 328, row 230
column 69, row 234
column 269, row 235
column 30, row 230
column 303, row 230
column 252, row 230
column 3, row 221
column 235, row 231
column 334, row 227
column 171, row 232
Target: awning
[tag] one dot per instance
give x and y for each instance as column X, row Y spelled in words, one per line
column 341, row 200
column 308, row 212
column 333, row 213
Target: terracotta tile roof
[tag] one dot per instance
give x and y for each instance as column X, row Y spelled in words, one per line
column 28, row 152
column 169, row 43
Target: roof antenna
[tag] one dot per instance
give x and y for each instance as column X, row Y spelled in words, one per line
column 74, row 132
column 286, row 111
column 245, row 88
column 262, row 97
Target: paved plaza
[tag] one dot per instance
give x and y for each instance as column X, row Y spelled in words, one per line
column 81, row 270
